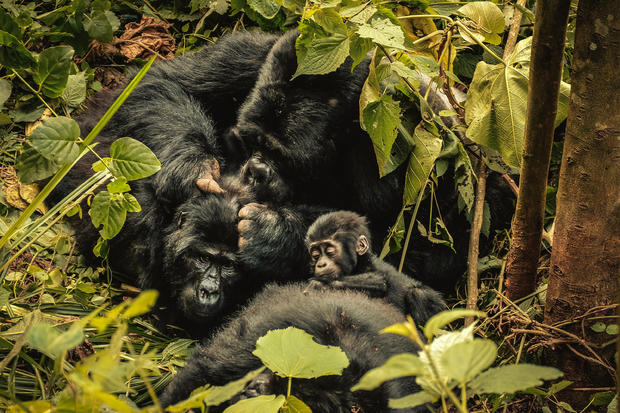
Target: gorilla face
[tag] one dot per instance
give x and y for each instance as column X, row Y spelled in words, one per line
column 200, row 257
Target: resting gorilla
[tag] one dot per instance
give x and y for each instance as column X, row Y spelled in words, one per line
column 339, row 246
column 338, row 318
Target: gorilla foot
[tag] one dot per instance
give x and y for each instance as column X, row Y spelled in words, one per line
column 206, row 182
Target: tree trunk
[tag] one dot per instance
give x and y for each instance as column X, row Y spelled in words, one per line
column 586, row 252
column 544, row 87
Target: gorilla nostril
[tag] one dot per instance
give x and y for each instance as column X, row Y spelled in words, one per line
column 202, row 293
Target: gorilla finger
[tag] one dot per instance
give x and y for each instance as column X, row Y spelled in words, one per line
column 209, row 185
column 251, row 209
column 242, row 242
column 244, row 225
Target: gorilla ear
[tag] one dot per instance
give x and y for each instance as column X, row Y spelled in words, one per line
column 362, row 245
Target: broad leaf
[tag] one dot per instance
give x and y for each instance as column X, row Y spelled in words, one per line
column 219, row 394
column 464, row 177
column 324, row 55
column 488, row 18
column 381, row 120
column 141, row 304
column 118, row 186
column 425, row 65
column 421, row 162
column 292, row 352
column 8, row 24
column 55, row 139
column 52, row 342
column 412, row 400
column 132, row 159
column 383, row 31
column 5, row 91
column 99, row 27
column 108, row 210
column 513, row 378
column 463, row 361
column 294, row 405
column 75, row 92
column 32, row 166
column 131, row 203
column 400, row 365
column 13, row 54
column 438, row 321
column 267, row 8
column 52, row 70
column 263, row 404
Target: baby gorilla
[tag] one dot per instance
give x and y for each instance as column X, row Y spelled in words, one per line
column 346, row 319
column 339, row 244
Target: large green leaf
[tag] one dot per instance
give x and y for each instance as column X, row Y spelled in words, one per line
column 8, row 24
column 262, row 404
column 463, row 361
column 267, row 8
column 488, row 18
column 513, row 378
column 294, row 405
column 99, row 27
column 55, row 139
column 5, row 91
column 421, row 162
column 438, row 321
column 383, row 31
column 381, row 120
column 52, row 70
column 141, row 304
column 292, row 352
column 75, row 92
column 412, row 400
column 13, row 54
column 220, row 394
column 108, row 210
column 32, row 166
column 132, row 159
column 324, row 55
column 52, row 342
column 400, row 365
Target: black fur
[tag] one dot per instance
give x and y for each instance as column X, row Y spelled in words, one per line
column 363, row 271
column 338, row 318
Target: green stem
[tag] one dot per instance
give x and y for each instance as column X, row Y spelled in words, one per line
column 288, row 390
column 410, row 229
column 426, row 16
column 489, row 51
column 35, row 92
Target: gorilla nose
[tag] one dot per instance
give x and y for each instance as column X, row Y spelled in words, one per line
column 257, row 172
column 207, row 292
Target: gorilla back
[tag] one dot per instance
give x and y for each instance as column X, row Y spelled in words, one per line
column 339, row 318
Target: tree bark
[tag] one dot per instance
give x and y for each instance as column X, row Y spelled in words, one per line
column 586, row 251
column 544, row 86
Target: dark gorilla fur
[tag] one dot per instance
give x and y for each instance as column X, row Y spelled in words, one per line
column 364, row 271
column 309, row 128
column 338, row 318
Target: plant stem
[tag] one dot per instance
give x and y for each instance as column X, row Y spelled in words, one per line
column 35, row 92
column 410, row 230
column 288, row 390
column 489, row 51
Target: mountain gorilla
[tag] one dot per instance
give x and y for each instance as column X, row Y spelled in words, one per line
column 339, row 245
column 346, row 319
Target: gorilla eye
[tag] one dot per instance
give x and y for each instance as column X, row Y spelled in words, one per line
column 331, row 251
column 315, row 255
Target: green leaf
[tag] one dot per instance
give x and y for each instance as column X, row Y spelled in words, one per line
column 50, row 341
column 438, row 321
column 294, row 405
column 512, row 378
column 132, row 159
column 292, row 352
column 5, row 91
column 405, row 72
column 412, row 400
column 102, row 248
column 464, row 177
column 383, row 31
column 32, row 166
column 13, row 54
column 359, row 48
column 131, row 203
column 75, row 92
column 558, row 387
column 612, row 329
column 99, row 27
column 488, row 18
column 464, row 361
column 324, row 55
column 598, row 327
column 421, row 162
column 118, row 186
column 400, row 365
column 381, row 119
column 108, row 210
column 55, row 139
column 52, row 70
column 262, row 404
column 141, row 304
column 425, row 65
column 267, row 8
column 8, row 24
column 219, row 394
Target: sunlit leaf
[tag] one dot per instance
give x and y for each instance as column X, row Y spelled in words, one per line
column 292, row 352
column 400, row 365
column 267, row 8
column 32, row 166
column 141, row 304
column 324, row 55
column 132, row 159
column 108, row 210
column 512, row 378
column 438, row 321
column 412, row 400
column 464, row 361
column 294, row 405
column 262, row 404
column 75, row 92
column 383, row 31
column 55, row 139
column 488, row 19
column 421, row 162
column 52, row 342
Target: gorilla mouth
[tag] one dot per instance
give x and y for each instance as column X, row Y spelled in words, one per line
column 208, row 298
